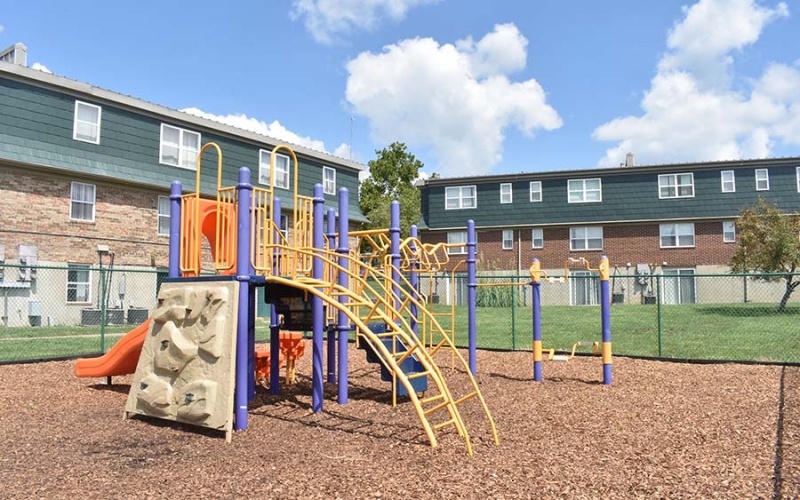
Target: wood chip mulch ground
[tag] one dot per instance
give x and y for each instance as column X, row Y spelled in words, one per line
column 662, row 430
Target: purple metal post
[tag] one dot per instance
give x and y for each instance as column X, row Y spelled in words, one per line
column 414, row 279
column 251, row 342
column 605, row 311
column 244, row 189
column 343, row 324
column 536, row 286
column 175, row 193
column 394, row 234
column 472, row 288
column 274, row 320
column 331, row 220
column 316, row 302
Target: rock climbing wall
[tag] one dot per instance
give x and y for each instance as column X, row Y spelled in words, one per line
column 186, row 369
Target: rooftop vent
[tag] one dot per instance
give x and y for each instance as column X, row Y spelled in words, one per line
column 629, row 161
column 16, row 54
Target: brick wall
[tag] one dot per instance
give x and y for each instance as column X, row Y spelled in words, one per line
column 634, row 243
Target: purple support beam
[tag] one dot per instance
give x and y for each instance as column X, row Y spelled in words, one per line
column 343, row 324
column 331, row 232
column 394, row 234
column 472, row 288
column 251, row 343
column 175, row 229
column 317, row 270
column 244, row 189
column 274, row 323
column 414, row 278
column 536, row 285
column 605, row 311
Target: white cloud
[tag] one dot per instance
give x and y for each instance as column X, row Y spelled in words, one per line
column 325, row 19
column 40, row 67
column 2, row 28
column 453, row 98
column 342, row 151
column 692, row 112
column 274, row 129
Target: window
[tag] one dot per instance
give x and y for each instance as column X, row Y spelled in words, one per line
column 676, row 186
column 456, row 198
column 163, row 215
column 537, row 238
column 728, row 181
column 728, row 231
column 328, row 180
column 677, row 235
column 798, row 179
column 281, row 169
column 82, row 201
column 456, row 238
column 584, row 191
column 508, row 239
column 536, row 191
column 79, row 286
column 285, row 226
column 179, row 147
column 505, row 193
column 762, row 179
column 586, row 238
column 87, row 122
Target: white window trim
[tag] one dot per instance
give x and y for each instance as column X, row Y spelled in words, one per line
column 462, row 250
column 325, row 189
column 94, row 202
column 724, row 236
column 766, row 171
column 583, row 190
column 461, row 197
column 510, row 193
column 159, row 215
column 586, row 240
column 503, row 239
column 82, row 267
column 678, row 235
column 533, row 237
column 677, row 186
column 798, row 179
column 75, row 121
column 180, row 146
column 262, row 166
column 538, row 191
column 722, row 181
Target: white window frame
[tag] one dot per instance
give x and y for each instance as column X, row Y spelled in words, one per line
column 72, row 201
column 459, row 197
column 534, row 231
column 329, row 181
column 535, row 190
column 585, row 239
column 798, row 179
column 680, row 230
column 507, row 232
column 76, row 284
column 284, row 229
column 728, row 231
column 462, row 250
column 510, row 194
column 161, row 216
column 264, row 159
column 731, row 181
column 76, row 121
column 183, row 162
column 765, row 179
column 676, row 186
column 578, row 187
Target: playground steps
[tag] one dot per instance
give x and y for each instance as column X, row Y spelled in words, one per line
column 408, row 363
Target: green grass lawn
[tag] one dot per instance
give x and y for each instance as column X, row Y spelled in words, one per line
column 735, row 332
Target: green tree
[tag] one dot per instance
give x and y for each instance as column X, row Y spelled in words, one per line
column 392, row 176
column 768, row 243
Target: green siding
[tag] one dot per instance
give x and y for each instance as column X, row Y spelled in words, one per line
column 36, row 126
column 627, row 196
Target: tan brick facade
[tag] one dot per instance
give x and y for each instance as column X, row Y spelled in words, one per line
column 623, row 244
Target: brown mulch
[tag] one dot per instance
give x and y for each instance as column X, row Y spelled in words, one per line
column 662, row 430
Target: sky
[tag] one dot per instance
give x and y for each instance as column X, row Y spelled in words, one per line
column 471, row 87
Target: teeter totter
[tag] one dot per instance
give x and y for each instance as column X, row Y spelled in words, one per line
column 552, row 356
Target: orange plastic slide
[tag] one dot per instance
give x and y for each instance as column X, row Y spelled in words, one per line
column 120, row 359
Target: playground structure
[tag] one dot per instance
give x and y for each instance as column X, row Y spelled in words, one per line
column 204, row 324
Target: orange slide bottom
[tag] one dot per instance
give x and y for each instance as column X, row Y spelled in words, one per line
column 120, row 359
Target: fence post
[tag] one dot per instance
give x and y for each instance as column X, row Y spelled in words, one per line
column 658, row 313
column 513, row 314
column 103, row 310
